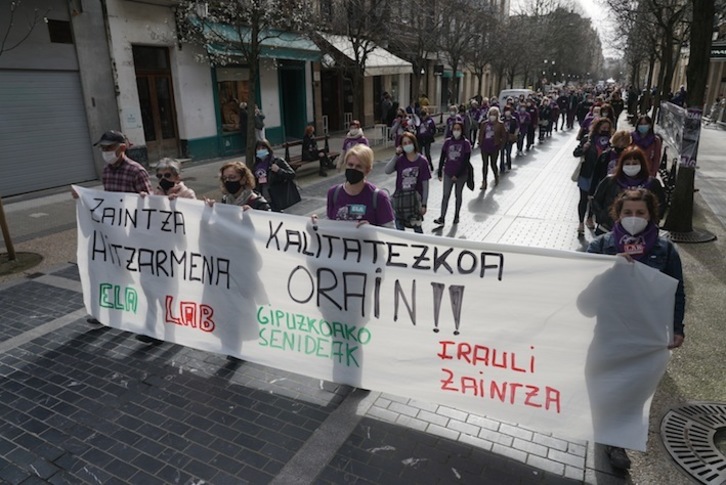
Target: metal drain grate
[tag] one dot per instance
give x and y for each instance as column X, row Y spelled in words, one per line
column 689, row 435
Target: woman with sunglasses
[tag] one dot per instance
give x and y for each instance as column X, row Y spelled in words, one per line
column 168, row 174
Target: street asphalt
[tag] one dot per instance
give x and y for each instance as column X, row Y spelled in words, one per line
column 90, row 404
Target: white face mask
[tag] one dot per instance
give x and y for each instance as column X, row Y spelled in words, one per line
column 109, row 157
column 354, row 131
column 493, row 118
column 407, row 148
column 456, row 133
column 634, row 225
column 631, row 170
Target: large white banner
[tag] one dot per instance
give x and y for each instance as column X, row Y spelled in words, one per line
column 562, row 342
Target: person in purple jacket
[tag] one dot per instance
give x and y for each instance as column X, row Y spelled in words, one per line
column 454, row 169
column 474, row 114
column 357, row 199
column 453, row 117
column 511, row 128
column 523, row 120
column 354, row 137
column 425, row 134
column 412, row 184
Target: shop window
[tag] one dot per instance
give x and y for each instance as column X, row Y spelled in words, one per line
column 59, row 31
column 233, row 88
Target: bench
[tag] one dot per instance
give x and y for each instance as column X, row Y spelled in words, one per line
column 296, row 161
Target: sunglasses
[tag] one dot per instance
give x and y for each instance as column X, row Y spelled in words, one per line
column 166, row 175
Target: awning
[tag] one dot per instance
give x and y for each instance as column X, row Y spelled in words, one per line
column 379, row 62
column 275, row 44
column 450, row 74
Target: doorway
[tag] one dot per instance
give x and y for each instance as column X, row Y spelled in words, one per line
column 293, row 99
column 156, row 101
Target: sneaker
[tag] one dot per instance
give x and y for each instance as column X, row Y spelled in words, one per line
column 483, row 186
column 439, row 221
column 618, row 458
column 456, row 220
column 581, row 229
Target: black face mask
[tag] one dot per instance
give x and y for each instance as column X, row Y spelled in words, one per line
column 166, row 184
column 233, row 186
column 618, row 149
column 353, row 176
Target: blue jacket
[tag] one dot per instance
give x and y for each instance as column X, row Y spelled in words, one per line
column 663, row 257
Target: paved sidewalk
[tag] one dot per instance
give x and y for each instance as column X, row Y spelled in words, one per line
column 90, row 404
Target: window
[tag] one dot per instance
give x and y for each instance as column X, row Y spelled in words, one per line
column 233, row 89
column 60, row 31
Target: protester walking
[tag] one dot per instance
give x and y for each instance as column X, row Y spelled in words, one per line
column 454, row 169
column 492, row 138
column 590, row 149
column 412, row 184
column 631, row 172
column 425, row 135
column 511, row 128
column 652, row 145
column 355, row 136
column 635, row 237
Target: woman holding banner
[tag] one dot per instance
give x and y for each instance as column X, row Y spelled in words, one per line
column 238, row 187
column 635, row 237
column 357, row 199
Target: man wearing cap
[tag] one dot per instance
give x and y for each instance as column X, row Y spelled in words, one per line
column 121, row 174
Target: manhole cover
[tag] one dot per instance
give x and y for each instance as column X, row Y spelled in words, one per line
column 694, row 436
column 695, row 236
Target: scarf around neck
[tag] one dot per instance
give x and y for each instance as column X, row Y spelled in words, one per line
column 638, row 246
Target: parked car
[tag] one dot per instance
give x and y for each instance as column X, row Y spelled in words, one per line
column 515, row 93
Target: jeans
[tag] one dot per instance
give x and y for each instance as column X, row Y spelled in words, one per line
column 530, row 135
column 448, row 184
column 583, row 206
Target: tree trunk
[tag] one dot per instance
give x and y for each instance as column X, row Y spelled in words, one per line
column 651, row 67
column 358, row 98
column 416, row 82
column 254, row 64
column 700, row 48
column 454, row 84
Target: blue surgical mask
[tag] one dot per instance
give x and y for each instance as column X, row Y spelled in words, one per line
column 262, row 153
column 408, row 148
column 644, row 129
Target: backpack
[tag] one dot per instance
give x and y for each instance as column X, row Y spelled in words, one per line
column 375, row 195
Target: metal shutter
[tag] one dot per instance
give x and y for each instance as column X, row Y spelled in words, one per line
column 44, row 139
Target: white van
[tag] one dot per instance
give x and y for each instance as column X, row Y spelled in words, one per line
column 514, row 93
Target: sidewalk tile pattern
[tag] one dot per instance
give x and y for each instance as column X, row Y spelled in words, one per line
column 30, row 304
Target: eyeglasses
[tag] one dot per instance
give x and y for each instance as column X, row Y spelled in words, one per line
column 166, row 175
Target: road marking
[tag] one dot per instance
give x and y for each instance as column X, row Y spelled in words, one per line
column 38, row 215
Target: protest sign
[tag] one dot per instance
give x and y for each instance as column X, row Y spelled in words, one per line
column 563, row 342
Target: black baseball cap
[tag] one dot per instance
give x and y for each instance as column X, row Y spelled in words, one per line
column 111, row 137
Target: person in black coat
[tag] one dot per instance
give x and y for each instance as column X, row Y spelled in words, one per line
column 311, row 152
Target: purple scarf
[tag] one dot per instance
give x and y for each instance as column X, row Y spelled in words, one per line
column 638, row 246
column 626, row 182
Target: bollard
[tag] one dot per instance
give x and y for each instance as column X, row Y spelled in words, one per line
column 6, row 233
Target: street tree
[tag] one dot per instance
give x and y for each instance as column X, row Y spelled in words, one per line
column 362, row 23
column 482, row 46
column 237, row 31
column 417, row 28
column 458, row 34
